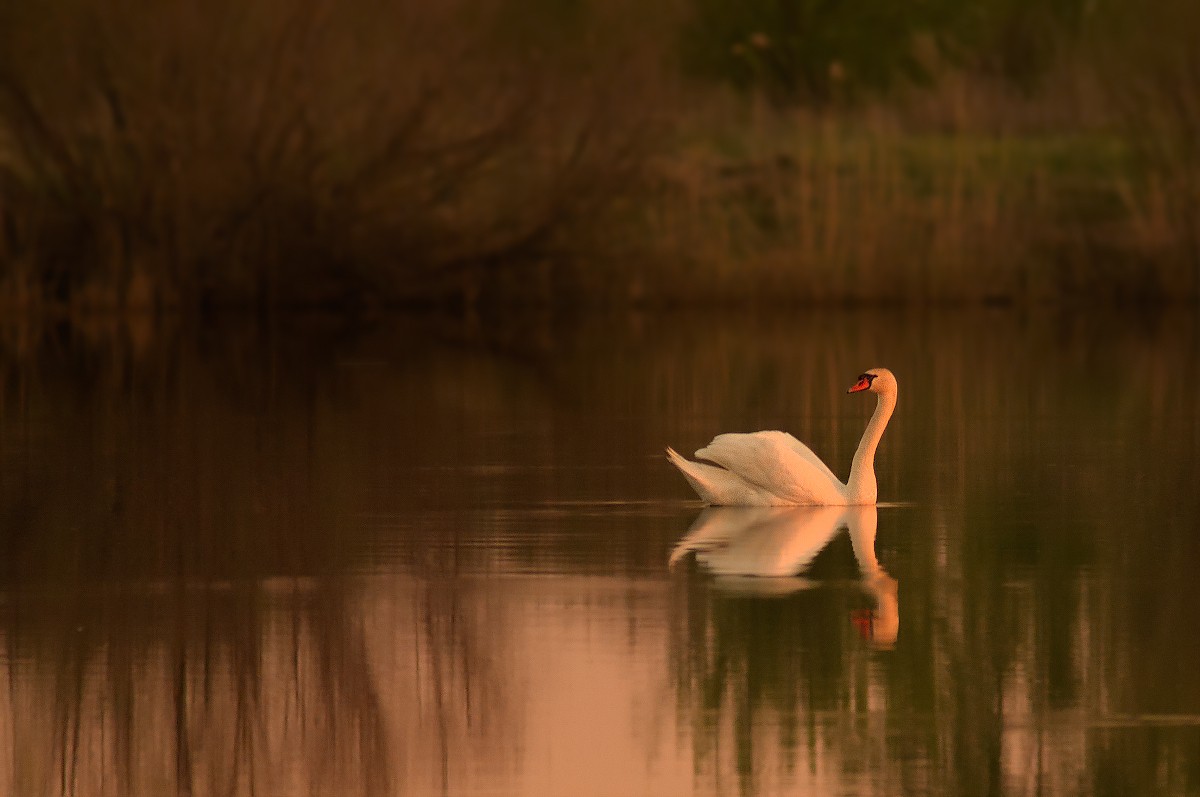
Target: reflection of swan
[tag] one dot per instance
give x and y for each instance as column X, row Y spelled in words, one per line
column 759, row 541
column 882, row 625
column 764, row 550
column 774, row 468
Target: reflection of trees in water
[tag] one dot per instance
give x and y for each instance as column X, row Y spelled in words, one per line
column 1063, row 602
column 287, row 686
column 768, row 641
column 178, row 609
column 1005, row 688
column 460, row 681
column 194, row 690
column 757, row 673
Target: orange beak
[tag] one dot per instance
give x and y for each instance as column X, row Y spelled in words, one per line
column 862, row 384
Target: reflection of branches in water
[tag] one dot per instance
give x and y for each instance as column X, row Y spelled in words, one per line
column 214, row 691
column 457, row 671
column 296, row 685
column 462, row 715
column 174, row 547
column 222, row 688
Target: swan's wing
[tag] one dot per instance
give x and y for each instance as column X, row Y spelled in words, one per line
column 720, row 487
column 776, row 463
column 804, row 451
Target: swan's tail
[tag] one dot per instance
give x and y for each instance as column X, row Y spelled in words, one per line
column 706, row 480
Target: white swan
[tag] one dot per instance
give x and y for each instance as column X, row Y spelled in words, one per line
column 776, row 469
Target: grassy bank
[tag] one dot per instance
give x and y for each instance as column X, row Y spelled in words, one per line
column 862, row 209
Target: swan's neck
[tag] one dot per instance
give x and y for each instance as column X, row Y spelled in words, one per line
column 861, row 487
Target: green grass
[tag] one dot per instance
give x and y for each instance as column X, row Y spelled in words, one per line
column 860, row 210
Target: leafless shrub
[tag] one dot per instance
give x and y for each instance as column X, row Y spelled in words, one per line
column 288, row 151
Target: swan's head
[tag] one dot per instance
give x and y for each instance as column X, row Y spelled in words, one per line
column 876, row 380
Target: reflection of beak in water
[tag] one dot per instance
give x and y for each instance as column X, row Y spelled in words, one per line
column 882, row 625
column 764, row 550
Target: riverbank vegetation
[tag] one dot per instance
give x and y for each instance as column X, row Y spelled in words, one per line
column 363, row 154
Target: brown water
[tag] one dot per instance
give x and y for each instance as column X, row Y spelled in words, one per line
column 446, row 559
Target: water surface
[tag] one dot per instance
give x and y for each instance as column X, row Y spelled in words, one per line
column 452, row 559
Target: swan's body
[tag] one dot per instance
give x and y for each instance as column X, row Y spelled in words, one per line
column 776, row 469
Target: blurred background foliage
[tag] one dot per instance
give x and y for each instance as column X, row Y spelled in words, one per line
column 812, row 52
column 364, row 153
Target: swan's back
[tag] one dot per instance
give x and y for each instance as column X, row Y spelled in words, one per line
column 770, row 441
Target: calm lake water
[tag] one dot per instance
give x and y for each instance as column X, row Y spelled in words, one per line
column 452, row 559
